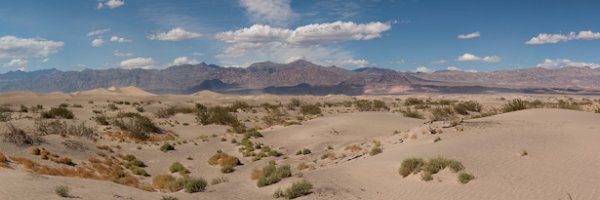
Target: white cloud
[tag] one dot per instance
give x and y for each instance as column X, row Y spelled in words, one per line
column 545, row 38
column 469, row 36
column 185, row 61
column 118, row 39
column 139, row 62
column 121, row 54
column 12, row 47
column 439, row 62
column 467, row 57
column 97, row 42
column 350, row 62
column 423, row 69
column 110, row 3
column 559, row 63
column 176, row 34
column 17, row 62
column 492, row 59
column 98, row 32
column 273, row 12
column 314, row 42
column 453, row 68
column 311, row 34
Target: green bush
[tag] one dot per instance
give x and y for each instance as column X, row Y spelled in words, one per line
column 464, row 177
column 515, row 105
column 298, row 189
column 195, row 185
column 177, row 167
column 411, row 165
column 62, row 191
column 272, row 174
column 59, row 112
column 167, row 147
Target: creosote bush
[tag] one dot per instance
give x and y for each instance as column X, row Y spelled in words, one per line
column 310, row 109
column 298, row 189
column 464, row 177
column 194, row 185
column 60, row 112
column 137, row 126
column 218, row 115
column 18, row 137
column 464, row 108
column 442, row 113
column 177, row 167
column 515, row 105
column 271, row 174
column 62, row 191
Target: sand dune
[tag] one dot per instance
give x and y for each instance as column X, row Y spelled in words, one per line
column 126, row 91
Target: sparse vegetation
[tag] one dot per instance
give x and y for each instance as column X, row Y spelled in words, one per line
column 218, row 115
column 412, row 113
column 62, row 191
column 167, row 147
column 464, row 108
column 429, row 168
column 304, row 151
column 298, row 189
column 271, row 174
column 442, row 113
column 464, row 177
column 136, row 125
column 18, row 137
column 411, row 166
column 310, row 109
column 515, row 105
column 60, row 112
column 177, row 167
column 194, row 185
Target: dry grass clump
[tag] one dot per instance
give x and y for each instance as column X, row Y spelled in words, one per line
column 330, row 155
column 60, row 112
column 216, row 181
column 136, row 125
column 298, row 189
column 62, row 191
column 18, row 137
column 172, row 110
column 310, row 109
column 168, row 183
column 376, row 148
column 515, row 105
column 464, row 108
column 428, row 168
column 304, row 151
column 353, row 148
column 442, row 113
column 366, row 105
column 270, row 174
column 412, row 113
column 35, row 151
column 226, row 161
column 57, row 127
column 194, row 185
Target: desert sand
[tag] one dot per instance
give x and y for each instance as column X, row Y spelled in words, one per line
column 542, row 152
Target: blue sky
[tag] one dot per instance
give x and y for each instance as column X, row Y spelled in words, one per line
column 405, row 35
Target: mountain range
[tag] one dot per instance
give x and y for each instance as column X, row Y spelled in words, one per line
column 303, row 77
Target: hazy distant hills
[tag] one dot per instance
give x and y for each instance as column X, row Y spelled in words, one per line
column 303, row 77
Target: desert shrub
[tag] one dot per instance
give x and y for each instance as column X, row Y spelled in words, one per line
column 310, row 109
column 380, row 105
column 218, row 115
column 239, row 105
column 298, row 189
column 167, row 147
column 168, row 183
column 102, row 120
column 136, row 125
column 411, row 166
column 62, row 191
column 412, row 113
column 568, row 105
column 294, row 103
column 177, row 167
column 17, row 136
column 413, row 101
column 304, row 151
column 426, row 176
column 194, row 185
column 57, row 127
column 171, row 111
column 442, row 113
column 274, row 117
column 272, row 174
column 455, row 166
column 515, row 105
column 3, row 161
column 435, row 165
column 60, row 112
column 5, row 113
column 437, row 139
column 23, row 109
column 363, row 105
column 464, row 108
column 219, row 180
column 138, row 171
column 224, row 159
column 375, row 150
column 227, row 169
column 464, row 177
column 112, row 107
column 168, row 198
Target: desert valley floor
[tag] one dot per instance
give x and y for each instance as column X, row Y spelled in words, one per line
column 125, row 143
